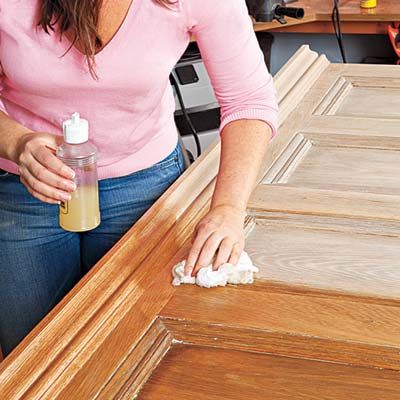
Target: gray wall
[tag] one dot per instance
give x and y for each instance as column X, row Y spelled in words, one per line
column 357, row 47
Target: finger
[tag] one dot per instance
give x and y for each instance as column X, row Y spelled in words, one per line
column 38, row 195
column 44, row 175
column 208, row 251
column 42, row 189
column 224, row 252
column 195, row 250
column 52, row 149
column 235, row 254
column 46, row 157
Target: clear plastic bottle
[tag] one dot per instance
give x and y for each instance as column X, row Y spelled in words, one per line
column 82, row 212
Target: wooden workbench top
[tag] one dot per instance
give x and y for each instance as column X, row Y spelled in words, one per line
column 317, row 11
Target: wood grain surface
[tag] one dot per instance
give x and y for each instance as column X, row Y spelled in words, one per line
column 264, row 341
column 344, row 168
column 322, row 319
column 304, row 312
column 215, row 374
column 328, row 258
column 275, row 198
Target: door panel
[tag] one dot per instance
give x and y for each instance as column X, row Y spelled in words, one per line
column 322, row 319
column 339, row 163
column 349, row 169
column 206, row 373
column 358, row 103
column 371, row 96
column 326, row 257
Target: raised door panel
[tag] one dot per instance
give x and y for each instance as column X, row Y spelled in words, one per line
column 373, row 96
column 326, row 254
column 339, row 162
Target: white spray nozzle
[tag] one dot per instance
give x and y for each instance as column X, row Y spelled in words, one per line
column 76, row 129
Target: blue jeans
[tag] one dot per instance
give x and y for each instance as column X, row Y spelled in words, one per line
column 40, row 262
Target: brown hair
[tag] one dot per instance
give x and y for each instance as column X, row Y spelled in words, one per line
column 80, row 17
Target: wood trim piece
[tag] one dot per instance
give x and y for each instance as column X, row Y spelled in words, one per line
column 340, row 125
column 287, row 162
column 334, row 97
column 329, row 223
column 296, row 78
column 139, row 364
column 293, row 70
column 294, row 99
column 353, row 141
column 283, row 344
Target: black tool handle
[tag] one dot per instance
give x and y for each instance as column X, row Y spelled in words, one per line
column 292, row 12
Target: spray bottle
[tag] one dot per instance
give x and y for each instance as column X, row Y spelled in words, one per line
column 81, row 213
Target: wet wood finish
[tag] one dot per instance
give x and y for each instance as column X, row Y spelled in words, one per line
column 322, row 319
column 205, row 373
column 306, row 313
column 286, row 344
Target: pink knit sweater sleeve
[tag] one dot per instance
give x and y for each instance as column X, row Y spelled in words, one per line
column 234, row 60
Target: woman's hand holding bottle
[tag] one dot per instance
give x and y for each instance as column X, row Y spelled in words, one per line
column 44, row 175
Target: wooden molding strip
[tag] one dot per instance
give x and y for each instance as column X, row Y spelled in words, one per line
column 296, row 78
column 139, row 364
column 334, row 97
column 293, row 70
column 282, row 168
column 338, row 125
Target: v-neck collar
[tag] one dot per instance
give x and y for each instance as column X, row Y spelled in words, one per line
column 119, row 32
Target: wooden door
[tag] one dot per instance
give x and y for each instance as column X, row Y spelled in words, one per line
column 322, row 321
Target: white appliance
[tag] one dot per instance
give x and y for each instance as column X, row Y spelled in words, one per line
column 198, row 97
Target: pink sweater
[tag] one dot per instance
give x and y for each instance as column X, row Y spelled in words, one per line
column 130, row 108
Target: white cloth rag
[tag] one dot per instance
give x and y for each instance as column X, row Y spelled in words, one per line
column 242, row 273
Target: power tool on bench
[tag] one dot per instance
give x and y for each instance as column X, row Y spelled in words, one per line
column 268, row 10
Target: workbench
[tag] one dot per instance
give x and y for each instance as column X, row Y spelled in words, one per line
column 322, row 319
column 317, row 18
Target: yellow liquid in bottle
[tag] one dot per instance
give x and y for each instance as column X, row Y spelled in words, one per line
column 81, row 213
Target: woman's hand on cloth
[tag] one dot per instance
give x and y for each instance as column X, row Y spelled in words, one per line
column 218, row 238
column 44, row 175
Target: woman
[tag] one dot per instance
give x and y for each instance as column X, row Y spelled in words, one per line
column 110, row 60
